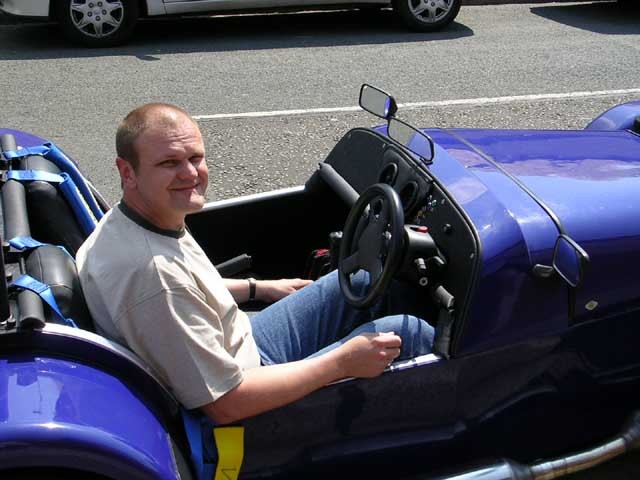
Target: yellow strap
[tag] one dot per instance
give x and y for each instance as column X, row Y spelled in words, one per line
column 230, row 444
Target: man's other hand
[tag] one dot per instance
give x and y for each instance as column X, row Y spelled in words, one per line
column 273, row 290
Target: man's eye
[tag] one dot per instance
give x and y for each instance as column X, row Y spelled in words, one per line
column 168, row 163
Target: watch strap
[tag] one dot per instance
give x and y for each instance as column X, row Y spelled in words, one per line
column 252, row 288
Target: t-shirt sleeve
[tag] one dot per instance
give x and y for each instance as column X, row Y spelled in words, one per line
column 181, row 338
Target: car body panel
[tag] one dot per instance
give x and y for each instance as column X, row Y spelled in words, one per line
column 515, row 234
column 580, row 175
column 591, row 181
column 530, row 398
column 53, row 410
column 26, row 8
column 41, row 8
column 156, row 7
column 94, row 349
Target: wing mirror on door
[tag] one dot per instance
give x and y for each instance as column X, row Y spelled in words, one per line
column 569, row 260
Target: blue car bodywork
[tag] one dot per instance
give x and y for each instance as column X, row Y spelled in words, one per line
column 523, row 361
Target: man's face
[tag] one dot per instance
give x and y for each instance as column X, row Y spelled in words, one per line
column 172, row 174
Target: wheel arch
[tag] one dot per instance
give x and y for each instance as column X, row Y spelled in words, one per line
column 54, row 6
column 48, row 473
column 78, row 447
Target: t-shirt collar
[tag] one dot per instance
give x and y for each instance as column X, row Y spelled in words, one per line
column 144, row 223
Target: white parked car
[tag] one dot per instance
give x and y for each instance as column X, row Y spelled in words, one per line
column 101, row 23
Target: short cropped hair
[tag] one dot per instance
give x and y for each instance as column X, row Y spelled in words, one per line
column 139, row 120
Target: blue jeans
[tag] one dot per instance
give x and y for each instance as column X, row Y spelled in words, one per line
column 317, row 319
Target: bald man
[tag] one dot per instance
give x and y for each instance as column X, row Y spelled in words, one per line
column 149, row 285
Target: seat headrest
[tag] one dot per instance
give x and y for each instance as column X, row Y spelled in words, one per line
column 52, row 266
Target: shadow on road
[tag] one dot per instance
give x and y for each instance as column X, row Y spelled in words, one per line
column 227, row 33
column 607, row 17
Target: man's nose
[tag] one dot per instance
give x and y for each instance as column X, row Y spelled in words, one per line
column 188, row 170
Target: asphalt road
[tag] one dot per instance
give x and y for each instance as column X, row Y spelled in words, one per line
column 228, row 65
column 264, row 63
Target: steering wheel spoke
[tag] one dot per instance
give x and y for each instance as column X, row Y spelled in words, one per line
column 375, row 269
column 363, row 223
column 351, row 264
column 385, row 213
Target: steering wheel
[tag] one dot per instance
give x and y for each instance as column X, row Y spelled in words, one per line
column 371, row 241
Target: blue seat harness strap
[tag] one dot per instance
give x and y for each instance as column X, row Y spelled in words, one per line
column 52, row 153
column 25, row 243
column 31, row 175
column 44, row 292
column 29, row 283
column 74, row 195
column 68, row 188
column 29, row 243
column 40, row 150
column 217, row 451
column 194, row 429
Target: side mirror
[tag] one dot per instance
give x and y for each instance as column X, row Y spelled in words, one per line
column 377, row 102
column 569, row 260
column 415, row 140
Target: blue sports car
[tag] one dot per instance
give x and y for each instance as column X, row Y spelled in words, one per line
column 522, row 246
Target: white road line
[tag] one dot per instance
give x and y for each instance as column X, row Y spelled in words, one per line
column 414, row 105
column 277, row 113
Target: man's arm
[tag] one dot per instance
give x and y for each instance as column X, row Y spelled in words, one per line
column 269, row 387
column 266, row 290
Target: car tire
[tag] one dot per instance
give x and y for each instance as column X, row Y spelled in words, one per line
column 97, row 23
column 427, row 15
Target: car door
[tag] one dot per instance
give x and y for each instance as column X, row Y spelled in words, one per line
column 196, row 6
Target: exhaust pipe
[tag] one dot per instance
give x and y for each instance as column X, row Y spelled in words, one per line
column 627, row 440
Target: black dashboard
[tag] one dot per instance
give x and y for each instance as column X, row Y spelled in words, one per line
column 365, row 157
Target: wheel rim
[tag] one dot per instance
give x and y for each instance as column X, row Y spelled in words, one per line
column 429, row 11
column 97, row 18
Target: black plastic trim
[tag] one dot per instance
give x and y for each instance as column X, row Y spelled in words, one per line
column 389, row 174
column 346, row 192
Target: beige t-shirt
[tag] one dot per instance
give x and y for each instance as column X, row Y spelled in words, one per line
column 157, row 292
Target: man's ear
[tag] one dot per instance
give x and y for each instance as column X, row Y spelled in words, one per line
column 127, row 173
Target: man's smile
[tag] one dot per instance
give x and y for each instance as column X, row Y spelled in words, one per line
column 186, row 187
